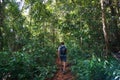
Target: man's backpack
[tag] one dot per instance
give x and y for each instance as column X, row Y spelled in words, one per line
column 63, row 50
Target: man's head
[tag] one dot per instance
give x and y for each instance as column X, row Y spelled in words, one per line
column 62, row 43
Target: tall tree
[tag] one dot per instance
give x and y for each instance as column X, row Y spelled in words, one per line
column 1, row 23
column 104, row 27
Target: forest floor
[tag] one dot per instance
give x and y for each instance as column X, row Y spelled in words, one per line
column 60, row 76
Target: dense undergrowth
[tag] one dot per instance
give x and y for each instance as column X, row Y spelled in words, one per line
column 34, row 62
column 31, row 64
column 88, row 66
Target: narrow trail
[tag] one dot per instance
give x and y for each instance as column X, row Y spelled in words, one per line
column 60, row 76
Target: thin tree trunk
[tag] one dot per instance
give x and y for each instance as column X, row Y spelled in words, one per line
column 53, row 38
column 1, row 23
column 104, row 28
column 45, row 32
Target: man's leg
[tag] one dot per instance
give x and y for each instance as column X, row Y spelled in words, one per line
column 64, row 65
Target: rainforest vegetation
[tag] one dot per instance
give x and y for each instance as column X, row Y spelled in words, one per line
column 31, row 31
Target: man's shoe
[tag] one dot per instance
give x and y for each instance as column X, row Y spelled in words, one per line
column 63, row 72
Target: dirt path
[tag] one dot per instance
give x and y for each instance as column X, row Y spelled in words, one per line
column 60, row 76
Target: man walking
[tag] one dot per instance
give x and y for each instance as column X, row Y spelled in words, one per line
column 62, row 51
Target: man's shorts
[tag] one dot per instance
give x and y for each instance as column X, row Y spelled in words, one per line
column 63, row 58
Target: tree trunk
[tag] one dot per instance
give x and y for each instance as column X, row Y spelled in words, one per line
column 104, row 29
column 53, row 37
column 1, row 23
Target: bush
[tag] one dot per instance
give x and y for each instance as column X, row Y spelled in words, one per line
column 23, row 66
column 96, row 69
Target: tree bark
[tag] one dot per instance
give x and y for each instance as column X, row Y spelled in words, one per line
column 1, row 23
column 53, row 36
column 104, row 28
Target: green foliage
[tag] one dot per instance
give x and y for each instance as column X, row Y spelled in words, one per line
column 24, row 66
column 29, row 39
column 95, row 68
